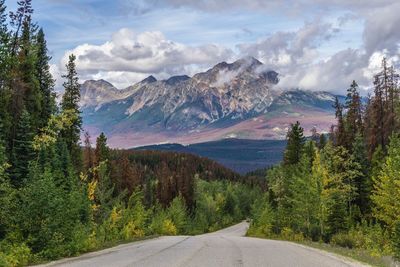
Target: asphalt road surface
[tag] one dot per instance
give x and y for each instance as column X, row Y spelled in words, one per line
column 227, row 247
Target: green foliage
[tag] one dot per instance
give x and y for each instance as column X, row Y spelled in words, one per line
column 386, row 195
column 369, row 237
column 70, row 103
column 396, row 240
column 263, row 217
column 102, row 151
column 177, row 212
column 13, row 255
column 295, row 139
column 23, row 151
column 219, row 204
column 49, row 216
column 45, row 80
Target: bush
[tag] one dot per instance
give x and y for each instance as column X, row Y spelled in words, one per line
column 371, row 238
column 14, row 255
column 177, row 213
column 168, row 228
column 131, row 231
column 396, row 240
column 346, row 240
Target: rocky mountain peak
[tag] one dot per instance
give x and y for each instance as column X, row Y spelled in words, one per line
column 150, row 79
column 227, row 96
column 174, row 80
column 97, row 83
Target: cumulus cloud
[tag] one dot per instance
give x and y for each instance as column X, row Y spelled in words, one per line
column 296, row 54
column 284, row 49
column 129, row 57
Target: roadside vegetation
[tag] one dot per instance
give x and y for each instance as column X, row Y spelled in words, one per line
column 341, row 188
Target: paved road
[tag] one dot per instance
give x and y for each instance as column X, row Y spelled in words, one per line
column 227, row 247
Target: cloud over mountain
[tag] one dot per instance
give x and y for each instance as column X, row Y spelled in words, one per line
column 330, row 45
column 134, row 55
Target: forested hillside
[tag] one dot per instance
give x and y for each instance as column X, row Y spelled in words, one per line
column 59, row 197
column 343, row 190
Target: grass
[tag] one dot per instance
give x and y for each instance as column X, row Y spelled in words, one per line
column 363, row 256
column 359, row 255
column 104, row 246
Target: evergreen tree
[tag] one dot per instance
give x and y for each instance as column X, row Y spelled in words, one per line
column 70, row 103
column 295, row 143
column 6, row 194
column 386, row 195
column 362, row 181
column 306, row 189
column 5, row 55
column 353, row 122
column 340, row 135
column 102, row 151
column 22, row 14
column 322, row 141
column 105, row 195
column 45, row 79
column 88, row 163
column 28, row 83
column 338, row 191
column 23, row 151
column 381, row 110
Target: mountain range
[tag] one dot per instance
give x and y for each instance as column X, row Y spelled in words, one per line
column 238, row 100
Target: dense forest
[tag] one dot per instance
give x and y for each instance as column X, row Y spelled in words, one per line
column 342, row 187
column 60, row 197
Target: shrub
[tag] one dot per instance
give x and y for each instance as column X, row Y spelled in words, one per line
column 131, row 231
column 168, row 228
column 396, row 240
column 14, row 255
column 177, row 212
column 346, row 240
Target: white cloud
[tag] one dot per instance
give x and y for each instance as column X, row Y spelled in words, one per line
column 129, row 57
column 296, row 54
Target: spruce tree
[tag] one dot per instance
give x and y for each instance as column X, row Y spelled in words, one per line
column 88, row 155
column 23, row 151
column 386, row 195
column 45, row 80
column 102, row 151
column 322, row 141
column 6, row 194
column 340, row 135
column 23, row 13
column 353, row 122
column 295, row 143
column 28, row 83
column 5, row 60
column 362, row 180
column 70, row 103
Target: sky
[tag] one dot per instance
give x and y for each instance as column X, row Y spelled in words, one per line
column 312, row 44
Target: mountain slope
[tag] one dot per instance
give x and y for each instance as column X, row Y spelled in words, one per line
column 241, row 99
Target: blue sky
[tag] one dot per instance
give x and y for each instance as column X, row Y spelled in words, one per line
column 313, row 44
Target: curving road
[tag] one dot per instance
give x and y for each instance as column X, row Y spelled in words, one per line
column 227, row 247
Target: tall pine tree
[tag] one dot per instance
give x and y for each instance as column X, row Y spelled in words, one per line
column 295, row 143
column 45, row 80
column 70, row 103
column 23, row 152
